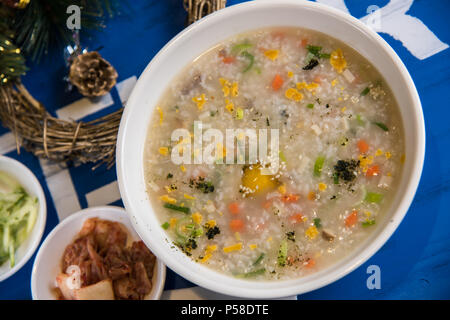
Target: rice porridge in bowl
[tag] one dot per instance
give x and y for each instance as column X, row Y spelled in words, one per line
column 329, row 153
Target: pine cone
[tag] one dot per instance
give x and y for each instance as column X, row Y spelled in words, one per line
column 92, row 75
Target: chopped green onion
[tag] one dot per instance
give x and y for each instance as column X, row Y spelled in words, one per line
column 309, row 57
column 239, row 113
column 282, row 253
column 365, row 91
column 317, row 223
column 177, row 208
column 182, row 226
column 310, row 105
column 165, row 225
column 359, row 119
column 282, row 156
column 251, row 274
column 381, row 126
column 241, row 47
column 260, row 258
column 250, row 58
column 315, row 50
column 336, row 178
column 368, row 223
column 197, row 232
column 373, row 197
column 318, row 166
column 190, row 226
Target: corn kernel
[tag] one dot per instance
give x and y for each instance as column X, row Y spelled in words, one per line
column 197, row 217
column 311, row 232
column 234, row 247
column 211, row 224
column 164, row 151
column 168, row 199
column 161, row 115
column 271, row 54
column 173, row 222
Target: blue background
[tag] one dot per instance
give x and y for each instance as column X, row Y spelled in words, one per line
column 414, row 262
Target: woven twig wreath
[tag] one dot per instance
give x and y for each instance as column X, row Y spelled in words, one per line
column 59, row 140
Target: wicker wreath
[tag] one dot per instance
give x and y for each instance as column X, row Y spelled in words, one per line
column 59, row 140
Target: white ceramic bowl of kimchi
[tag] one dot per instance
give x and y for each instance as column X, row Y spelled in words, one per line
column 47, row 265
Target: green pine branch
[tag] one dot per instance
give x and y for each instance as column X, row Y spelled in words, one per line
column 12, row 63
column 42, row 24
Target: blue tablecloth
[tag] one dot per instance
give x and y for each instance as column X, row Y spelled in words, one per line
column 414, row 263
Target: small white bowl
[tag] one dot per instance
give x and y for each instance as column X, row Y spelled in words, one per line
column 48, row 260
column 31, row 185
column 205, row 34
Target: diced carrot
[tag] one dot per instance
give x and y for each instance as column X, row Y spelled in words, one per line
column 304, row 42
column 296, row 218
column 317, row 79
column 351, row 219
column 363, row 146
column 236, row 225
column 234, row 208
column 311, row 263
column 228, row 60
column 373, row 171
column 267, row 204
column 311, row 195
column 289, row 198
column 290, row 260
column 277, row 82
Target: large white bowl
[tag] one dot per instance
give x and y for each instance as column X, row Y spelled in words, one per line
column 48, row 260
column 31, row 184
column 203, row 35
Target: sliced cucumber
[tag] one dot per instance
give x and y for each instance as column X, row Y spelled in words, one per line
column 18, row 215
column 12, row 251
column 181, row 229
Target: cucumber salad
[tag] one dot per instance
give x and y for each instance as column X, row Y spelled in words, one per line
column 18, row 214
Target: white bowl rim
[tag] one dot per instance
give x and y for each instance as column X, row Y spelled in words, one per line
column 85, row 214
column 381, row 238
column 42, row 211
